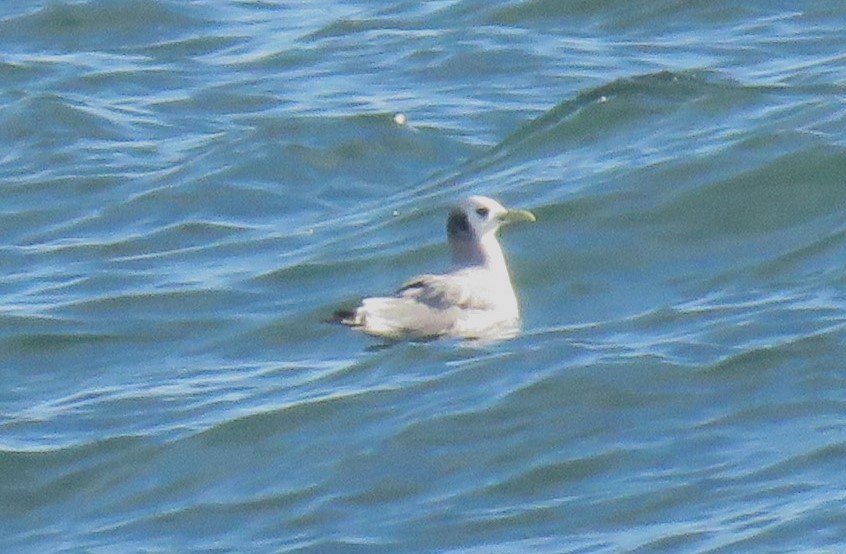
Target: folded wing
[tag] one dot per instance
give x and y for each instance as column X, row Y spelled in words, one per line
column 426, row 306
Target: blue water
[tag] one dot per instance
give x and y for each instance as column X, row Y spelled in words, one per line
column 188, row 189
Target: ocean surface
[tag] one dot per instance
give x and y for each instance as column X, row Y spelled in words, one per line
column 189, row 188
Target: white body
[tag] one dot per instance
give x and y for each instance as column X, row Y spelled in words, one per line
column 475, row 300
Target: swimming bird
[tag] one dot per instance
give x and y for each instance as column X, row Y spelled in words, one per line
column 475, row 300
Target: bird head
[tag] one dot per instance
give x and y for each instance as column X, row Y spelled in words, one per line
column 477, row 216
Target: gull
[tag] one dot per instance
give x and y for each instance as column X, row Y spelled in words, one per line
column 475, row 300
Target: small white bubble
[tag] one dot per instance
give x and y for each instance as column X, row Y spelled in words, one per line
column 399, row 119
column 396, row 213
column 603, row 99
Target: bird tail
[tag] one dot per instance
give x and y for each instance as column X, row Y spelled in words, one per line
column 344, row 317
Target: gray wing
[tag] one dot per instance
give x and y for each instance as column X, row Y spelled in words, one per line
column 426, row 306
column 445, row 291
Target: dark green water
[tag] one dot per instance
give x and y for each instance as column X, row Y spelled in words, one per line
column 187, row 189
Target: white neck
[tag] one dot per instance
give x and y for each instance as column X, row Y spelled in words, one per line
column 493, row 258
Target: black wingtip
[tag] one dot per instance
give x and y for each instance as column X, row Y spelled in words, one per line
column 341, row 317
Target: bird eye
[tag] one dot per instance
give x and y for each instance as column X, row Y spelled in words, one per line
column 483, row 212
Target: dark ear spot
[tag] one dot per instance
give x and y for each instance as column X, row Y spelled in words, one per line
column 458, row 225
